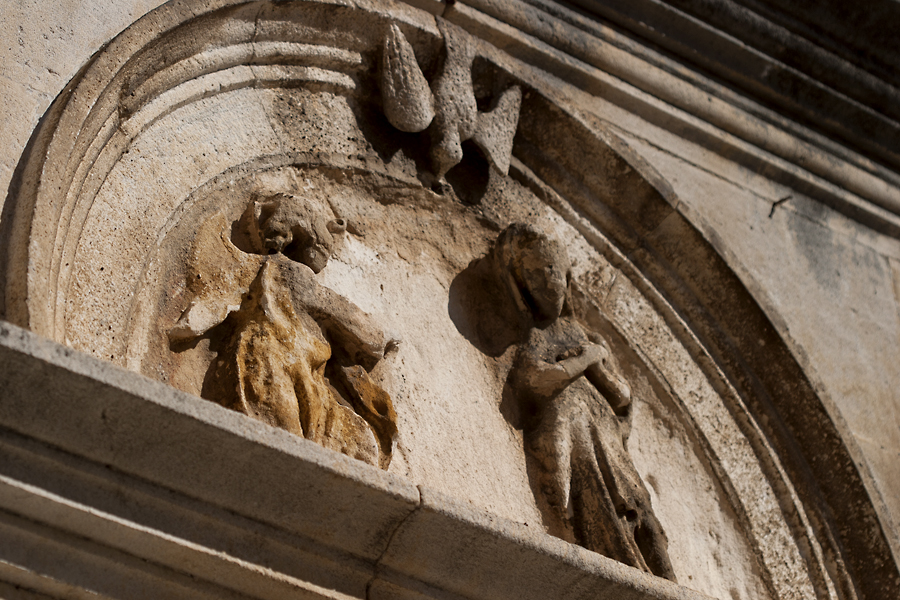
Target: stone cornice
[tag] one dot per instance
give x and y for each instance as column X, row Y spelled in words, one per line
column 757, row 128
column 760, row 51
column 111, row 482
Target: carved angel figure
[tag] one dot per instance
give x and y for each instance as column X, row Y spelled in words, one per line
column 563, row 377
column 290, row 346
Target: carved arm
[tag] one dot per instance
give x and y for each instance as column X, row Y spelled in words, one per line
column 545, row 379
column 204, row 313
column 345, row 323
column 616, row 391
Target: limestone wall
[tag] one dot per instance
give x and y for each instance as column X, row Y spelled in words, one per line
column 43, row 46
column 829, row 283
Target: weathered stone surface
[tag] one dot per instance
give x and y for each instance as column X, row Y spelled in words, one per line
column 606, row 67
column 118, row 225
column 42, row 47
column 508, row 560
column 497, row 128
column 408, row 101
column 410, row 105
column 826, row 64
column 170, row 495
column 291, row 352
column 575, row 406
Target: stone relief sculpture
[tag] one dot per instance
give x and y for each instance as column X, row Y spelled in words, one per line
column 563, row 378
column 448, row 109
column 238, row 313
column 293, row 353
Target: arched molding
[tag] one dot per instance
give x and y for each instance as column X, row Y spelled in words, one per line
column 185, row 53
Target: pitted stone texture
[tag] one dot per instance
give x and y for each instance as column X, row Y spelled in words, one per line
column 316, row 130
column 408, row 101
column 42, row 46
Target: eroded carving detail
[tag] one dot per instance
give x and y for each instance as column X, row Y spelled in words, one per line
column 293, row 353
column 448, row 109
column 565, row 378
column 408, row 102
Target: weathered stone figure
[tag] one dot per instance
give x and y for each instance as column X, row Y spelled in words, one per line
column 448, row 109
column 290, row 342
column 563, row 378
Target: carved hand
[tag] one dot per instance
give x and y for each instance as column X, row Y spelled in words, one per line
column 546, row 379
column 614, row 388
column 584, row 357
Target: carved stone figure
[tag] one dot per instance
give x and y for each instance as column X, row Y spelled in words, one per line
column 293, row 353
column 564, row 378
column 448, row 109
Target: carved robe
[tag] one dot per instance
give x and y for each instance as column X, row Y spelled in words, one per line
column 586, row 472
column 273, row 364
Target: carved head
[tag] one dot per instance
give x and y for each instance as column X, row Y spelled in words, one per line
column 535, row 268
column 300, row 230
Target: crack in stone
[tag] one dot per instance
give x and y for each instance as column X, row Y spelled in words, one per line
column 377, row 569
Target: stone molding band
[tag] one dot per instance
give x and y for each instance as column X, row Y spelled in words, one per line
column 135, row 489
column 606, row 64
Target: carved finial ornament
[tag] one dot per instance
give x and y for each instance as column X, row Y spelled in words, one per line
column 448, row 109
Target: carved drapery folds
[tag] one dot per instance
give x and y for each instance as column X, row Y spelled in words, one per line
column 577, row 408
column 293, row 353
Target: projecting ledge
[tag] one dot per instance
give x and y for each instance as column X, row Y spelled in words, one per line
column 120, row 486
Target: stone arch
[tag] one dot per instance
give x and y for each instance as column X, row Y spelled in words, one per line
column 180, row 55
